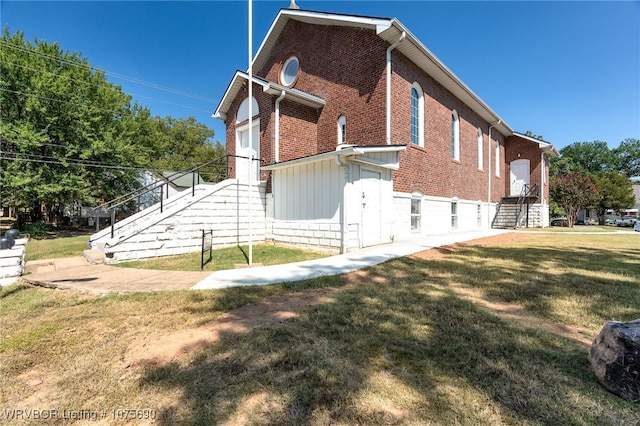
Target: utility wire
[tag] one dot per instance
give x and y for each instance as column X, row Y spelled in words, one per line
column 134, row 95
column 110, row 73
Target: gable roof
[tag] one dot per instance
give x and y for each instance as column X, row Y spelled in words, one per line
column 544, row 146
column 389, row 30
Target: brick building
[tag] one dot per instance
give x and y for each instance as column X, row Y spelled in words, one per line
column 364, row 136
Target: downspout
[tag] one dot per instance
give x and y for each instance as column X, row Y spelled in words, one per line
column 277, row 142
column 343, row 206
column 542, row 197
column 389, row 49
column 489, row 148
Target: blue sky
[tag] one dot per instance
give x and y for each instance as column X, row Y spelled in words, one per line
column 569, row 71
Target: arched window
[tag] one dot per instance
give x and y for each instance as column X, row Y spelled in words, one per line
column 342, row 129
column 480, row 150
column 417, row 115
column 455, row 136
column 243, row 111
column 497, row 158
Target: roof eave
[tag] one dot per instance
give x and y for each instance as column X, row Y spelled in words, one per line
column 342, row 152
column 271, row 88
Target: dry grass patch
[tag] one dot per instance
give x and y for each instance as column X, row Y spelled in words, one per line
column 491, row 332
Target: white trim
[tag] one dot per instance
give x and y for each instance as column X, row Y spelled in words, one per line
column 480, row 140
column 455, row 135
column 341, row 152
column 420, row 94
column 238, row 81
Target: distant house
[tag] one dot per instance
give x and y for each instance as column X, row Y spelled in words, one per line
column 361, row 136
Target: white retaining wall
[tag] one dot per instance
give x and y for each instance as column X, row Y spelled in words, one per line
column 12, row 262
column 222, row 208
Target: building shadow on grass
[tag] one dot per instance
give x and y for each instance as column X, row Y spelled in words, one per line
column 399, row 347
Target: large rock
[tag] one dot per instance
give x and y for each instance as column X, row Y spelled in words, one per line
column 615, row 358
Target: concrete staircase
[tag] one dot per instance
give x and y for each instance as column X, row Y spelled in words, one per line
column 177, row 227
column 511, row 215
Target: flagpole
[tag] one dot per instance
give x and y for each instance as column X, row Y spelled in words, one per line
column 250, row 131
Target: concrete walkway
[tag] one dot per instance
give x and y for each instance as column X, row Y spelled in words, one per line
column 76, row 273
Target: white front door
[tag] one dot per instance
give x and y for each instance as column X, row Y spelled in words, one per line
column 519, row 176
column 243, row 151
column 371, row 185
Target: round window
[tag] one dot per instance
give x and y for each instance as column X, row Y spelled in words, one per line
column 289, row 71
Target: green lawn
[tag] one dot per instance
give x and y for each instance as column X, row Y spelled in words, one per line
column 228, row 258
column 56, row 247
column 485, row 333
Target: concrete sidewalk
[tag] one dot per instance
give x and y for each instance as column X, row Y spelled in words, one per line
column 334, row 265
column 78, row 274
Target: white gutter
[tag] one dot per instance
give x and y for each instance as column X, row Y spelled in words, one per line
column 489, row 147
column 277, row 142
column 389, row 49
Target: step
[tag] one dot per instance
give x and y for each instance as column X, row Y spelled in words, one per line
column 94, row 257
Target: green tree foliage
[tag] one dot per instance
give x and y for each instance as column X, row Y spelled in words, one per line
column 609, row 170
column 180, row 144
column 572, row 192
column 614, row 192
column 628, row 155
column 60, row 119
column 69, row 137
column 591, row 157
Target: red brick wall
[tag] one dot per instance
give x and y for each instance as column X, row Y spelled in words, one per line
column 431, row 169
column 343, row 66
column 346, row 67
column 520, row 149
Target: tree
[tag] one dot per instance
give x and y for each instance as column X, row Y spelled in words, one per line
column 572, row 192
column 609, row 170
column 180, row 144
column 591, row 157
column 62, row 128
column 68, row 136
column 614, row 192
column 628, row 154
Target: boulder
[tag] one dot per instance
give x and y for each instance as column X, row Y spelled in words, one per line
column 615, row 358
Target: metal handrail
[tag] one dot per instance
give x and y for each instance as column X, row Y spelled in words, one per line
column 126, row 198
column 123, row 199
column 528, row 190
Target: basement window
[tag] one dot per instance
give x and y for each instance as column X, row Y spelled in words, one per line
column 454, row 214
column 416, row 203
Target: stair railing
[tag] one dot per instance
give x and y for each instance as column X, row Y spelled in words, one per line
column 528, row 191
column 221, row 165
column 113, row 205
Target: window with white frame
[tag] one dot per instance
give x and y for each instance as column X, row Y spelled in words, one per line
column 455, row 135
column 497, row 158
column 289, row 72
column 416, row 208
column 454, row 214
column 417, row 115
column 342, row 129
column 480, row 150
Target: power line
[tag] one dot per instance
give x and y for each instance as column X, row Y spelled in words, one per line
column 98, row 85
column 64, row 162
column 110, row 73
